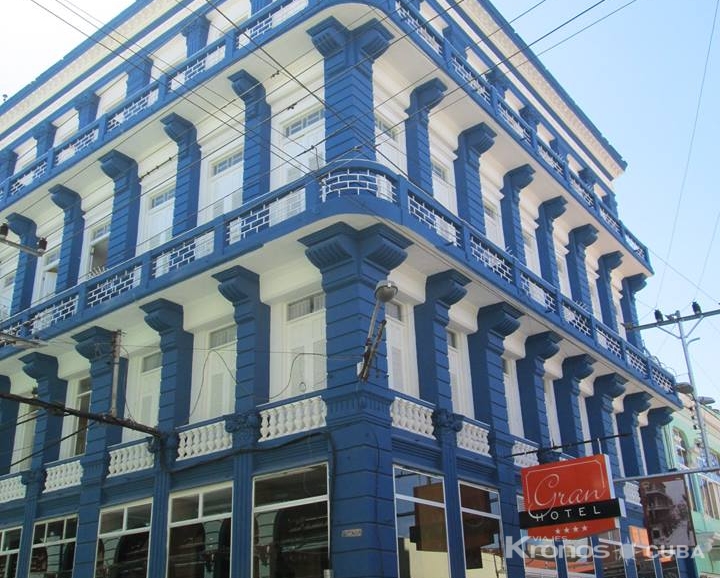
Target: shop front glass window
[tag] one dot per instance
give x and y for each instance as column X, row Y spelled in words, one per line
column 482, row 532
column 290, row 524
column 53, row 550
column 9, row 550
column 123, row 541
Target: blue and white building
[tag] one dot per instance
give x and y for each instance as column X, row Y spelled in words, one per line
column 221, row 185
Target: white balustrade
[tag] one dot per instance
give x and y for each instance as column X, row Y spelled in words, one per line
column 11, row 488
column 291, row 418
column 632, row 492
column 524, row 454
column 132, row 458
column 474, row 438
column 412, row 417
column 64, row 475
column 204, row 439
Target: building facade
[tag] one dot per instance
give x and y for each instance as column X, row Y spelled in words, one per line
column 685, row 451
column 220, row 187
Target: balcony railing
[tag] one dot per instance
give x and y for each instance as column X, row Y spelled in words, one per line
column 255, row 223
column 250, row 34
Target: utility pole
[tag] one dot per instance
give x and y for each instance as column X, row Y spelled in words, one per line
column 684, row 336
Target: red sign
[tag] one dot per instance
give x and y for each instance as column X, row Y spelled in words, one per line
column 569, row 499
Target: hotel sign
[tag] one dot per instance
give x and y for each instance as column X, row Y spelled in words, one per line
column 569, row 499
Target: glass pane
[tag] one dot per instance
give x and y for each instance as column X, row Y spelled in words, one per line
column 613, row 565
column 139, row 516
column 644, row 563
column 54, row 531
column 185, row 508
column 70, row 528
column 293, row 485
column 483, row 546
column 12, row 540
column 39, row 534
column 291, row 542
column 185, row 557
column 124, row 556
column 479, row 499
column 579, row 556
column 111, row 521
column 539, row 556
column 418, row 485
column 217, row 502
column 422, row 540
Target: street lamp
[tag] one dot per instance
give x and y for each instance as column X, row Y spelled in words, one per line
column 688, row 389
column 385, row 291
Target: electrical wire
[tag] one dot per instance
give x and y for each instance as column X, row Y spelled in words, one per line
column 691, row 146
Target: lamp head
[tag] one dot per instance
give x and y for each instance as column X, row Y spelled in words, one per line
column 385, row 291
column 684, row 387
column 704, row 400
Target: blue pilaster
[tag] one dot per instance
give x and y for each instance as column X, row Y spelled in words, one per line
column 8, row 159
column 472, row 143
column 126, row 206
column 187, row 175
column 358, row 413
column 86, row 105
column 653, row 439
column 562, row 149
column 486, row 348
column 630, row 287
column 26, row 264
column 196, row 35
column 422, row 100
column 442, row 290
column 627, row 422
column 256, row 152
column 48, row 426
column 138, row 73
column 8, row 419
column 96, row 345
column 166, row 318
column 72, row 236
column 514, row 181
column 531, row 382
column 580, row 239
column 600, row 416
column 567, row 401
column 252, row 317
column 48, row 429
column 349, row 57
column 606, row 264
column 547, row 213
column 44, row 135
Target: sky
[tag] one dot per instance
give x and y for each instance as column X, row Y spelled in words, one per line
column 646, row 72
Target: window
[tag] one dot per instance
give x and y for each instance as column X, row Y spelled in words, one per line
column 216, row 392
column 493, row 224
column 563, row 274
column 512, row 395
column 225, row 186
column 594, row 295
column 612, row 560
column 585, row 423
column 401, row 351
column 532, row 260
column 420, row 524
column 443, row 185
column 158, row 219
column 123, row 540
column 459, row 367
column 143, row 393
column 200, row 527
column 82, row 402
column 24, row 437
column 539, row 553
column 303, row 364
column 388, row 145
column 9, row 551
column 643, row 554
column 618, row 447
column 53, row 550
column 551, row 412
column 682, row 456
column 710, row 490
column 482, row 532
column 98, row 249
column 290, row 523
column 48, row 274
column 303, row 143
column 7, row 285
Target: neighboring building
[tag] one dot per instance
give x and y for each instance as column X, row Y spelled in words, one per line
column 221, row 188
column 685, row 451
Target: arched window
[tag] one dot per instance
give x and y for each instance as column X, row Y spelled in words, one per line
column 682, row 457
